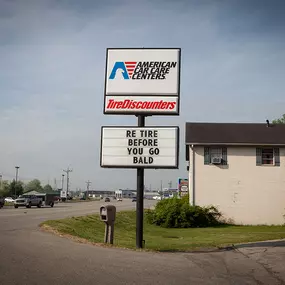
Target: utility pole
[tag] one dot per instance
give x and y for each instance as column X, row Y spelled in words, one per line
column 55, row 185
column 62, row 182
column 16, row 180
column 87, row 191
column 1, row 181
column 67, row 179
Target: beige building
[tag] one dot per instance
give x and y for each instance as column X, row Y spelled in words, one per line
column 240, row 168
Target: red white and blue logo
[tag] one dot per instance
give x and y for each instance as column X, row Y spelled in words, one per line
column 142, row 70
column 123, row 69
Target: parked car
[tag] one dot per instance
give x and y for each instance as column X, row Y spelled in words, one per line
column 9, row 200
column 119, row 199
column 2, row 202
column 28, row 201
column 134, row 199
column 107, row 199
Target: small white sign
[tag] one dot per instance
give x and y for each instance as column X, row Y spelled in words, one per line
column 132, row 147
column 184, row 188
column 129, row 104
column 63, row 194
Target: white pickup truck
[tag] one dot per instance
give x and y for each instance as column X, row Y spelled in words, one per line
column 28, row 201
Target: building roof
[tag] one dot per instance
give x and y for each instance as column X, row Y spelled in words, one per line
column 235, row 134
column 99, row 191
column 34, row 193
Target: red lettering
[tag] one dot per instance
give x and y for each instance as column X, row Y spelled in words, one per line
column 146, row 105
column 110, row 104
column 125, row 104
column 120, row 104
column 164, row 105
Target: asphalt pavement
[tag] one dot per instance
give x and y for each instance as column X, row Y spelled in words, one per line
column 31, row 256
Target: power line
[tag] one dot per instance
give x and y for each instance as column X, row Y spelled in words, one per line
column 67, row 171
column 88, row 184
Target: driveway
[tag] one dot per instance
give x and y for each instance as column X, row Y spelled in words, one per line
column 30, row 256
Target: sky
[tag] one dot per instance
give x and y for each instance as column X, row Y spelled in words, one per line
column 52, row 63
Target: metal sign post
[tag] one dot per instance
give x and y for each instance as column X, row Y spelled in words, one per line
column 140, row 195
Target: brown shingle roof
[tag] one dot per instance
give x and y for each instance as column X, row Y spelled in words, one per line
column 235, row 133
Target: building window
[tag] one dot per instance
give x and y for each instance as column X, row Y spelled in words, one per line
column 215, row 152
column 267, row 156
column 210, row 152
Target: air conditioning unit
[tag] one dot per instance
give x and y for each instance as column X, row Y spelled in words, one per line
column 216, row 160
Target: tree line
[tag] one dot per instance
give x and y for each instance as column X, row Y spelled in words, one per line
column 13, row 188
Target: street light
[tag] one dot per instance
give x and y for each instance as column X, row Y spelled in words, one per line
column 17, row 169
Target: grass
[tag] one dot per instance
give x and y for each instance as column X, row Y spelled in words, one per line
column 163, row 239
column 9, row 203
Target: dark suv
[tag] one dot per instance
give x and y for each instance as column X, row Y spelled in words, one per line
column 2, row 201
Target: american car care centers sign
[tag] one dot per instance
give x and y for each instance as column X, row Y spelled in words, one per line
column 142, row 81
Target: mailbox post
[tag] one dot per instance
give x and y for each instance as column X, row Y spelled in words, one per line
column 108, row 216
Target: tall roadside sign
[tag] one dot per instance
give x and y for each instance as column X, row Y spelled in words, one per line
column 183, row 187
column 141, row 82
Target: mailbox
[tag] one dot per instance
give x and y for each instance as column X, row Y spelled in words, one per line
column 108, row 213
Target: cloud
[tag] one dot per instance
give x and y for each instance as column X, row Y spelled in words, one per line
column 52, row 57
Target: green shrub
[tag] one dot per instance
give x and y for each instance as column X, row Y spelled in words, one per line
column 177, row 213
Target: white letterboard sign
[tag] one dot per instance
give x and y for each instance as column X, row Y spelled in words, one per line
column 132, row 147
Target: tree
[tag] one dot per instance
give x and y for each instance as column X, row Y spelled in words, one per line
column 280, row 120
column 34, row 185
column 47, row 189
column 5, row 189
column 16, row 188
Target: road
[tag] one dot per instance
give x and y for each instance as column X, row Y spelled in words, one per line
column 30, row 256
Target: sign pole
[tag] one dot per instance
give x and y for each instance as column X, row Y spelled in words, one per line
column 140, row 195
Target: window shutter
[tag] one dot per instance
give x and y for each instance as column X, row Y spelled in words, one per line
column 276, row 156
column 224, row 156
column 206, row 155
column 258, row 156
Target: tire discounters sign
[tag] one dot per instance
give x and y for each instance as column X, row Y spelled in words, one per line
column 132, row 147
column 142, row 81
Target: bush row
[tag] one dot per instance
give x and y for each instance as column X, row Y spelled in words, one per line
column 177, row 213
